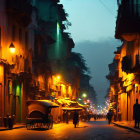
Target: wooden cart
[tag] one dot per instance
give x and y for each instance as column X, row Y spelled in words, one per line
column 39, row 114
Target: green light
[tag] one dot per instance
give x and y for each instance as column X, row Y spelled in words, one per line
column 79, row 99
column 84, row 95
column 18, row 90
column 58, row 28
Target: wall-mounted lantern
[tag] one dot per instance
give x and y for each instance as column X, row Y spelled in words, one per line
column 12, row 48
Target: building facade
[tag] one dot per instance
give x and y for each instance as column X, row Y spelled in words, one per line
column 15, row 57
column 125, row 81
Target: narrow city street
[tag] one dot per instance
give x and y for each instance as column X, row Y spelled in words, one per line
column 67, row 64
column 93, row 130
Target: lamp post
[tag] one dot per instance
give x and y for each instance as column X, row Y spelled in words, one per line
column 12, row 48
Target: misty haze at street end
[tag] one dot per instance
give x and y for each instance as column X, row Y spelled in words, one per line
column 93, row 32
column 98, row 54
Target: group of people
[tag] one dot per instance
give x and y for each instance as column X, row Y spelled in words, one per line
column 98, row 116
column 76, row 116
column 109, row 116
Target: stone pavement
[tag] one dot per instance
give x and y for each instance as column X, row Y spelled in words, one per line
column 127, row 125
column 16, row 126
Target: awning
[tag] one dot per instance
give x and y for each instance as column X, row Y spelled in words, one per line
column 40, row 105
column 71, row 109
column 65, row 101
column 80, row 105
column 46, row 103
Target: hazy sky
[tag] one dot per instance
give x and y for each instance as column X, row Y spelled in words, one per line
column 93, row 29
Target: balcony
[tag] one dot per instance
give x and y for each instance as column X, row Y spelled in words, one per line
column 128, row 19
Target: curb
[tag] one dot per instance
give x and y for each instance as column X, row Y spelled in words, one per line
column 126, row 127
column 5, row 129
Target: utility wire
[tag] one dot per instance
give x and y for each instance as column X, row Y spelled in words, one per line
column 108, row 9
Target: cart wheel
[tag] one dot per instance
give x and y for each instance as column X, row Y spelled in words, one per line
column 48, row 124
column 51, row 122
column 51, row 125
column 28, row 126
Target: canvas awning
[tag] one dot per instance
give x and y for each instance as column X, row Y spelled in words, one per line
column 46, row 103
column 71, row 108
column 40, row 105
column 65, row 101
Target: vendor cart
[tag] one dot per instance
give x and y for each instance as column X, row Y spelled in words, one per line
column 39, row 114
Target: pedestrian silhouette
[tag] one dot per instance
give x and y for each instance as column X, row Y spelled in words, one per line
column 109, row 116
column 136, row 113
column 75, row 118
column 64, row 116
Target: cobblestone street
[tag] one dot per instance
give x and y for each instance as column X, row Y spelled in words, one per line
column 92, row 130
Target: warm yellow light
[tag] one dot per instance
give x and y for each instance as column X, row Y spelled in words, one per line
column 128, row 79
column 58, row 77
column 1, row 73
column 12, row 48
column 84, row 95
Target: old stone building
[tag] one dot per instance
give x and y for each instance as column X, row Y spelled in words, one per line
column 125, row 82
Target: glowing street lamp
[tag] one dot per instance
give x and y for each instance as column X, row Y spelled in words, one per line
column 84, row 95
column 12, row 48
column 58, row 77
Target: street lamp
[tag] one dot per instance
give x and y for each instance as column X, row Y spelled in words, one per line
column 12, row 48
column 58, row 77
column 84, row 95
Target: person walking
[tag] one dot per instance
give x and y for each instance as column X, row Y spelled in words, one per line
column 75, row 118
column 109, row 116
column 136, row 113
column 95, row 117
